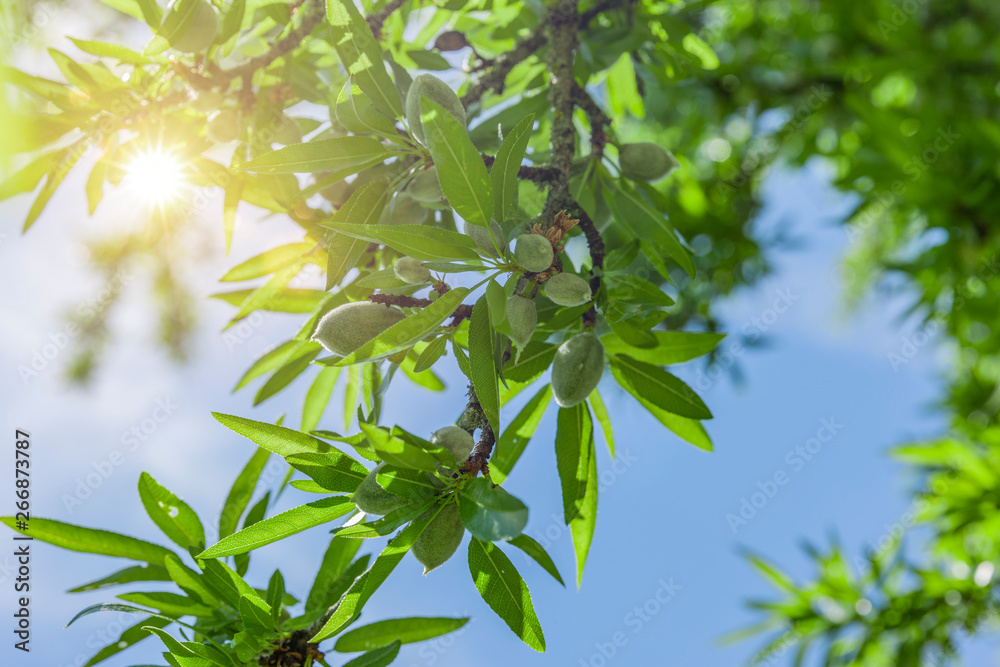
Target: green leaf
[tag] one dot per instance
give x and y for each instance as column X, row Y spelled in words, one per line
column 406, row 483
column 672, row 347
column 57, row 172
column 280, row 526
column 171, row 514
column 231, row 585
column 623, row 91
column 534, row 361
column 396, row 451
column 380, row 657
column 516, row 436
column 361, row 56
column 574, row 432
column 170, row 604
column 503, row 589
column 126, row 576
column 318, row 397
column 434, row 350
column 268, row 262
column 404, row 630
column 282, row 441
column 489, row 512
column 336, row 561
column 129, row 637
column 503, row 174
column 91, row 540
column 343, row 156
column 282, row 301
column 241, row 492
column 537, row 552
column 460, row 168
column 28, row 177
column 404, row 334
column 649, row 225
column 292, row 369
column 419, row 241
column 365, row 586
column 333, row 470
column 697, row 47
column 254, row 618
column 127, row 608
column 482, row 362
column 658, row 387
column 582, row 525
column 385, row 525
column 144, row 10
column 191, row 582
column 363, row 207
column 107, row 50
column 173, row 645
column 687, row 429
column 268, row 362
column 601, row 412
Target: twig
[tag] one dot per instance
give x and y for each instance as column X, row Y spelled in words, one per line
column 539, row 175
column 496, row 77
column 596, row 117
column 464, row 311
column 473, row 418
column 591, row 14
column 376, row 20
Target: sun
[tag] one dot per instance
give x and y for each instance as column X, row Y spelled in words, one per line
column 156, row 176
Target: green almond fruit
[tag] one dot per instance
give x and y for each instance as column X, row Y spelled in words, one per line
column 522, row 318
column 646, row 161
column 533, row 252
column 410, row 270
column 371, row 498
column 351, row 325
column 577, row 368
column 424, row 187
column 403, row 210
column 223, row 126
column 482, row 237
column 568, row 289
column 200, row 32
column 427, row 85
column 456, row 440
column 440, row 539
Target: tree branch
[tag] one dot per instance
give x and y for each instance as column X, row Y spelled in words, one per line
column 539, row 175
column 563, row 24
column 494, row 80
column 473, row 418
column 596, row 118
column 376, row 20
column 463, row 312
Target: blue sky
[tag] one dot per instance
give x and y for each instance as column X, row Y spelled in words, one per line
column 664, row 579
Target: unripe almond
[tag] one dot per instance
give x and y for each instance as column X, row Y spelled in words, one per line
column 646, row 161
column 522, row 317
column 404, row 210
column 200, row 31
column 425, row 187
column 577, row 368
column 482, row 237
column 427, row 85
column 568, row 289
column 351, row 325
column 533, row 252
column 223, row 126
column 371, row 498
column 441, row 537
column 456, row 440
column 411, row 270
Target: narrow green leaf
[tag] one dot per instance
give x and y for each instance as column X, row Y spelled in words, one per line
column 419, row 241
column 658, row 387
column 574, row 431
column 336, row 561
column 481, row 358
column 380, row 657
column 363, row 207
column 28, row 177
column 57, row 172
column 241, row 492
column 404, row 630
column 126, row 576
column 686, row 428
column 582, row 525
column 342, row 155
column 489, row 512
column 503, row 589
column 282, row 441
column 268, row 262
column 503, row 174
column 170, row 604
column 171, row 514
column 537, row 552
column 460, row 168
column 333, row 470
column 434, row 350
column 280, row 526
column 361, row 56
column 365, row 586
column 318, row 397
column 672, row 347
column 284, row 301
column 649, row 225
column 268, row 362
column 191, row 582
column 601, row 412
column 518, row 433
column 406, row 483
column 129, row 637
column 534, row 360
column 144, row 10
column 404, row 334
column 108, row 50
column 91, row 540
column 292, row 369
column 254, row 618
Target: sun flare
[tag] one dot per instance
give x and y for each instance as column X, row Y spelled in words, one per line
column 156, row 176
